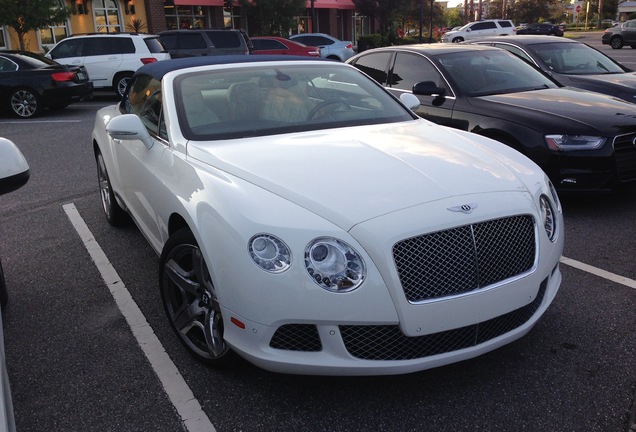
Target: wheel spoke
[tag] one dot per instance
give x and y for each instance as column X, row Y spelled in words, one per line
column 189, row 315
column 183, row 279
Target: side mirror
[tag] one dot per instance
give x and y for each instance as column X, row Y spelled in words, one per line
column 428, row 88
column 14, row 169
column 411, row 101
column 129, row 127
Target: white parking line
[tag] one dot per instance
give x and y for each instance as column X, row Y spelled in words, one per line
column 631, row 283
column 192, row 415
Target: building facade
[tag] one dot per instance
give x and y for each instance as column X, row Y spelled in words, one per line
column 335, row 17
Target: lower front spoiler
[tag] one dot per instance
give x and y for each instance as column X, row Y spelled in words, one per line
column 381, row 349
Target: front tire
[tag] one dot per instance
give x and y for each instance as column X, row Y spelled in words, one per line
column 190, row 302
column 458, row 39
column 120, row 82
column 25, row 103
column 616, row 42
column 115, row 215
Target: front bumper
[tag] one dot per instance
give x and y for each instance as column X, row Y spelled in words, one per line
column 365, row 349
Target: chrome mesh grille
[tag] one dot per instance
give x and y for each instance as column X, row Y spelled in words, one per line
column 296, row 337
column 625, row 150
column 465, row 258
column 387, row 342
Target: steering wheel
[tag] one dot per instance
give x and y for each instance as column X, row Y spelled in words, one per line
column 315, row 110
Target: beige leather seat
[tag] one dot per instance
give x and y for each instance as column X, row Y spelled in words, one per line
column 245, row 101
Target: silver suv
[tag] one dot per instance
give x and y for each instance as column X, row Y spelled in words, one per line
column 110, row 58
column 477, row 29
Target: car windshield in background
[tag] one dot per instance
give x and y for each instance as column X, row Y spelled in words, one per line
column 484, row 73
column 575, row 59
column 274, row 99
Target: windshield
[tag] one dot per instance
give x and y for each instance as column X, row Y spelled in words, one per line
column 265, row 99
column 575, row 59
column 479, row 73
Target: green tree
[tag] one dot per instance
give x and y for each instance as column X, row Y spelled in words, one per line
column 273, row 17
column 531, row 11
column 26, row 15
column 453, row 17
column 386, row 12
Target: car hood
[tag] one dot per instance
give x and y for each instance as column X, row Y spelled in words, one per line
column 614, row 84
column 354, row 174
column 569, row 110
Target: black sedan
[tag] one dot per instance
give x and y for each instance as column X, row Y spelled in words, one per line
column 582, row 140
column 571, row 63
column 541, row 29
column 30, row 82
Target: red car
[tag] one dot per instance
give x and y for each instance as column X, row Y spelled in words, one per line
column 279, row 45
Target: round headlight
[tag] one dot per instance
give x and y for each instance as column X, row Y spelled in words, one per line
column 269, row 253
column 548, row 216
column 334, row 265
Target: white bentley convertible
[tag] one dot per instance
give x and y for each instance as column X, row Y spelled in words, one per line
column 309, row 222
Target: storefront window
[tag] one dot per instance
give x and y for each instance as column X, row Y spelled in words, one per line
column 51, row 35
column 3, row 38
column 185, row 17
column 107, row 17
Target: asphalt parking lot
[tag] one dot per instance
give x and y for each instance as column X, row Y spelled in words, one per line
column 89, row 349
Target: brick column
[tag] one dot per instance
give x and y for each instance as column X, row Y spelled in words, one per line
column 155, row 16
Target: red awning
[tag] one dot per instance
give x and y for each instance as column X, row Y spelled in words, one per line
column 319, row 4
column 198, row 2
column 332, row 4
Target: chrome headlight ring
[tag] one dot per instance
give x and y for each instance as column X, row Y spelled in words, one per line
column 548, row 217
column 334, row 265
column 269, row 253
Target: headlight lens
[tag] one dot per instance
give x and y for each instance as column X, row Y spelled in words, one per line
column 573, row 142
column 270, row 253
column 548, row 217
column 334, row 265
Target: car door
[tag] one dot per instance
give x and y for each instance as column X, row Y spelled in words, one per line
column 482, row 29
column 191, row 45
column 103, row 56
column 409, row 69
column 629, row 33
column 136, row 163
column 269, row 46
column 69, row 52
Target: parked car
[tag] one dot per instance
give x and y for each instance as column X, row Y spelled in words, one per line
column 447, row 246
column 330, row 47
column 110, row 58
column 14, row 173
column 571, row 63
column 477, row 29
column 281, row 46
column 206, row 42
column 541, row 29
column 620, row 35
column 30, row 82
column 583, row 140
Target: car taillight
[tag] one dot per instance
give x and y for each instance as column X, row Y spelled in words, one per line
column 349, row 46
column 148, row 60
column 62, row 76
